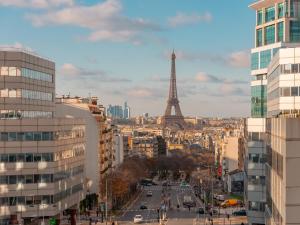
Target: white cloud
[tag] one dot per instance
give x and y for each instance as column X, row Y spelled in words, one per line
column 239, row 59
column 87, row 75
column 104, row 20
column 186, row 19
column 236, row 59
column 204, row 77
column 69, row 69
column 37, row 4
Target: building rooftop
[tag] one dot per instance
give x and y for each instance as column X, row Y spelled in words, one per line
column 263, row 3
column 23, row 50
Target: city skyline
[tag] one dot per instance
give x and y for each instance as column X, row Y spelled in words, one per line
column 212, row 72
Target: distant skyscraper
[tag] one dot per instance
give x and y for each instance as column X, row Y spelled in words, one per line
column 115, row 112
column 126, row 111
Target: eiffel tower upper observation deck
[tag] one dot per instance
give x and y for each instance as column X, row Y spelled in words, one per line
column 176, row 119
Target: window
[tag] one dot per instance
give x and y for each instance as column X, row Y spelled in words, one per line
column 294, row 31
column 4, row 71
column 286, row 69
column 29, row 200
column 29, row 179
column 280, row 11
column 3, row 179
column 259, row 17
column 270, row 34
column 294, row 68
column 12, row 136
column 4, row 136
column 259, row 38
column 270, row 14
column 28, row 136
column 12, row 158
column 12, row 179
column 21, row 179
column 265, row 58
column 29, row 157
column 21, row 200
column 4, row 157
column 285, row 91
column 280, row 32
column 37, row 157
column 12, row 201
column 12, row 71
column 254, row 61
column 20, row 157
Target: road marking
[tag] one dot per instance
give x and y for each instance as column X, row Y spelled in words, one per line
column 133, row 202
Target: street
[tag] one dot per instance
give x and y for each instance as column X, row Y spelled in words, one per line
column 181, row 215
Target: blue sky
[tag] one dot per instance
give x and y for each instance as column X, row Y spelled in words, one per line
column 119, row 50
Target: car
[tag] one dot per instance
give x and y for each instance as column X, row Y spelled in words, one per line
column 220, row 197
column 137, row 219
column 143, row 206
column 201, row 210
column 240, row 213
column 149, row 194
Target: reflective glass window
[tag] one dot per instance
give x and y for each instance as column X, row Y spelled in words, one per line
column 259, row 17
column 270, row 14
column 4, row 136
column 265, row 58
column 295, row 31
column 29, row 157
column 270, row 34
column 12, row 179
column 29, row 179
column 12, row 136
column 259, row 37
column 29, row 136
column 280, row 31
column 12, row 158
column 294, row 91
column 280, row 10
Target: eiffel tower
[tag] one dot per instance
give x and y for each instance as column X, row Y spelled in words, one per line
column 176, row 120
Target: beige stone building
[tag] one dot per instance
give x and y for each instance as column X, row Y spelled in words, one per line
column 41, row 156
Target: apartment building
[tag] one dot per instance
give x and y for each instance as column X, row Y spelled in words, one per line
column 41, row 155
column 102, row 142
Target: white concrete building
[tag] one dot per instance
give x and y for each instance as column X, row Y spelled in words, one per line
column 283, row 139
column 74, row 108
column 277, row 26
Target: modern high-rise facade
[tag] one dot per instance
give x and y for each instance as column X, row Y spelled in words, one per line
column 283, row 138
column 41, row 156
column 277, row 26
column 126, row 111
column 115, row 111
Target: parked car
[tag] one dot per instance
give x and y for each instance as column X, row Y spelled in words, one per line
column 240, row 213
column 149, row 194
column 137, row 219
column 220, row 197
column 143, row 206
